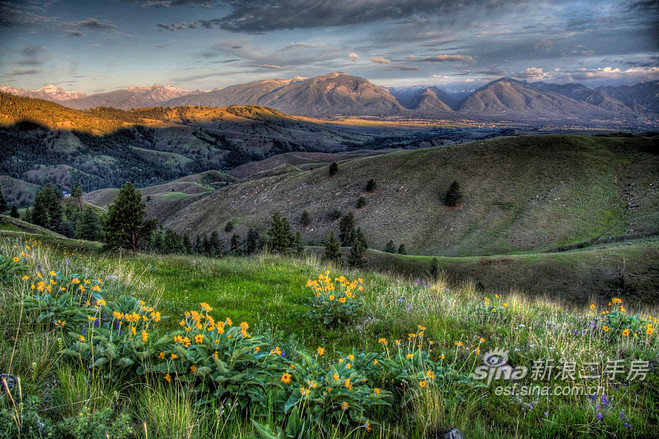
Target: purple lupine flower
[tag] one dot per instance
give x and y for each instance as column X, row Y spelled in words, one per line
column 629, row 426
column 283, row 354
column 84, row 331
column 575, row 332
column 546, row 414
column 605, row 401
column 24, row 260
column 583, row 331
column 39, row 266
column 117, row 325
column 622, row 414
column 401, row 299
column 67, row 262
column 599, row 416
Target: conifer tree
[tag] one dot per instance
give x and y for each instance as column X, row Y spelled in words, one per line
column 434, row 269
column 298, row 245
column 39, row 212
column 358, row 250
column 454, row 195
column 87, row 226
column 346, row 229
column 14, row 211
column 214, row 245
column 390, row 247
column 281, row 237
column 333, row 249
column 187, row 244
column 371, row 185
column 305, row 219
column 235, row 244
column 402, row 250
column 125, row 226
column 76, row 193
column 3, row 203
column 333, row 169
column 361, row 202
column 252, row 241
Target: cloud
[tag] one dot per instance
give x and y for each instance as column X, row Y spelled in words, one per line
column 94, row 24
column 170, row 3
column 380, row 60
column 533, row 74
column 17, row 15
column 406, row 68
column 260, row 16
column 448, row 58
column 177, row 26
column 543, row 46
column 22, row 72
column 353, row 56
column 74, row 33
column 270, row 66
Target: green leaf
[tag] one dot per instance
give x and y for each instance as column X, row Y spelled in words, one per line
column 125, row 362
column 264, row 430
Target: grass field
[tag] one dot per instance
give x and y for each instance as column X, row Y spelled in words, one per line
column 426, row 388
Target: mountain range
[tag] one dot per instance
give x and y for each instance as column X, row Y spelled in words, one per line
column 341, row 95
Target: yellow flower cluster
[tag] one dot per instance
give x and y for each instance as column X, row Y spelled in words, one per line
column 326, row 288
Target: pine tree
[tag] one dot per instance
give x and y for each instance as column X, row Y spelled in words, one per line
column 252, row 241
column 356, row 257
column 361, row 202
column 3, row 203
column 281, row 237
column 77, row 193
column 214, row 245
column 55, row 211
column 235, row 244
column 390, row 247
column 27, row 216
column 371, row 185
column 39, row 212
column 14, row 211
column 434, row 269
column 229, row 226
column 87, row 226
column 402, row 250
column 333, row 249
column 298, row 245
column 346, row 229
column 333, row 169
column 125, row 226
column 187, row 244
column 454, row 195
column 305, row 219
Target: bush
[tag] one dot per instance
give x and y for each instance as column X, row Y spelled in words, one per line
column 371, row 185
column 454, row 195
column 335, row 214
column 333, row 169
column 335, row 306
column 390, row 247
column 305, row 219
column 402, row 250
column 361, row 202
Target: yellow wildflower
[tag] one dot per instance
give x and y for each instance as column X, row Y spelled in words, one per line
column 286, row 378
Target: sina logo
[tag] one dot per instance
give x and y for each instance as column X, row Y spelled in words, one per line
column 495, row 367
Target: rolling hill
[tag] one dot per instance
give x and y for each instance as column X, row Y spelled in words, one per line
column 42, row 141
column 522, row 194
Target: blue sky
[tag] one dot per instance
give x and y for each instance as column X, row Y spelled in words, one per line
column 96, row 46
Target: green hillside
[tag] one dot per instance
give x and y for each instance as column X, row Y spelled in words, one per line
column 521, row 194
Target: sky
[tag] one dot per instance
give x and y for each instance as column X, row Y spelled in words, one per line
column 103, row 45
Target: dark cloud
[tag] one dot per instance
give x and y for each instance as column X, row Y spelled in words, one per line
column 94, row 24
column 448, row 58
column 406, row 68
column 169, row 3
column 16, row 15
column 74, row 33
column 173, row 27
column 259, row 16
column 23, row 72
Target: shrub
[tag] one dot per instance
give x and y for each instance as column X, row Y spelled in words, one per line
column 390, row 247
column 434, row 268
column 229, row 226
column 361, row 202
column 333, row 169
column 371, row 185
column 454, row 195
column 402, row 250
column 335, row 214
column 305, row 219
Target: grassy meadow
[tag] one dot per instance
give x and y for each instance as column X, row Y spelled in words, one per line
column 190, row 347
